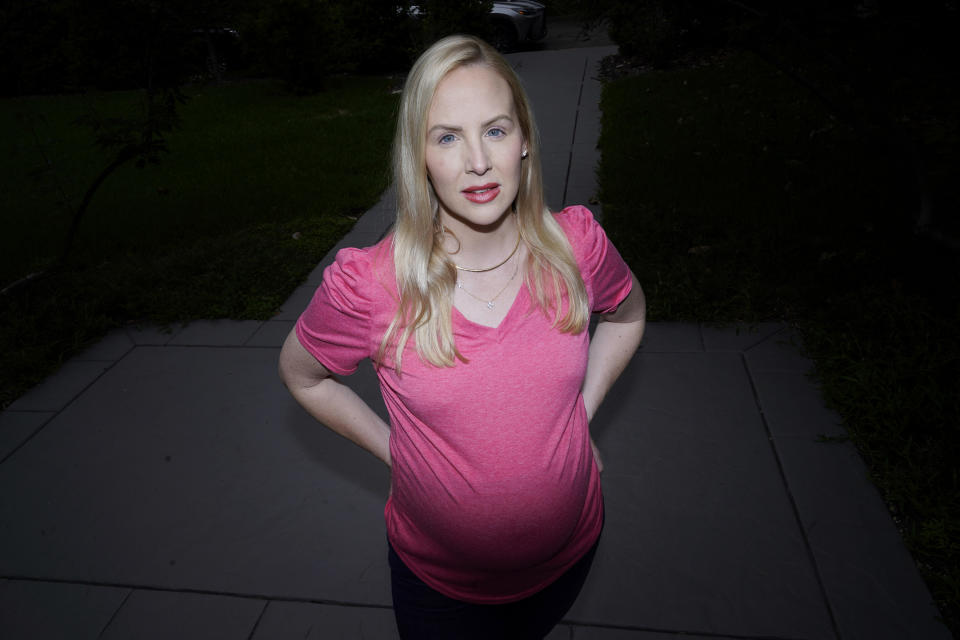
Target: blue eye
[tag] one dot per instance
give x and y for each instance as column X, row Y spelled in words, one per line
column 496, row 132
column 446, row 138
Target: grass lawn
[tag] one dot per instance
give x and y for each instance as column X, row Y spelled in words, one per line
column 738, row 197
column 206, row 233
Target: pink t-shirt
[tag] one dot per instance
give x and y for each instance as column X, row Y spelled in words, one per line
column 495, row 492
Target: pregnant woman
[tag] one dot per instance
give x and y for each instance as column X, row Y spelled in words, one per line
column 475, row 309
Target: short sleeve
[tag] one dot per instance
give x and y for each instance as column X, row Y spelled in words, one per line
column 335, row 327
column 605, row 274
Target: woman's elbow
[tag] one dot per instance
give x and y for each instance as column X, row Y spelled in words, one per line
column 297, row 367
column 633, row 308
column 286, row 370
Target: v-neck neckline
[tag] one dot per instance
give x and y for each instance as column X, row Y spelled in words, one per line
column 521, row 292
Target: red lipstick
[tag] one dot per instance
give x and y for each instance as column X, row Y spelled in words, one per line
column 482, row 193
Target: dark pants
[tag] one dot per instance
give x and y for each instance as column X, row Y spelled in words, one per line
column 425, row 614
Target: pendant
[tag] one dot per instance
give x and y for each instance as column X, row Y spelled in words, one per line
column 490, row 304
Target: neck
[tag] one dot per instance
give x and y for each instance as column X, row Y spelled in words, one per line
column 481, row 247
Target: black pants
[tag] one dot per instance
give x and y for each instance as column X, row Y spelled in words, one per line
column 424, row 614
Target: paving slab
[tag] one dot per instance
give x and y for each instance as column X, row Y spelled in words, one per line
column 671, row 337
column 61, row 388
column 793, row 406
column 600, row 633
column 564, row 69
column 560, row 632
column 310, row 621
column 555, row 83
column 588, row 121
column 554, row 94
column 216, row 333
column 162, row 615
column 585, row 152
column 380, row 216
column 271, row 334
column 111, row 348
column 738, row 337
column 590, row 97
column 567, row 32
column 872, row 582
column 352, row 239
column 31, row 610
column 193, row 467
column 579, row 194
column 150, row 335
column 355, row 238
column 16, row 427
column 780, row 352
column 297, row 302
column 313, row 621
column 555, row 166
column 588, row 125
column 583, row 167
column 701, row 536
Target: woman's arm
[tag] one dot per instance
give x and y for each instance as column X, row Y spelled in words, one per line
column 614, row 342
column 330, row 401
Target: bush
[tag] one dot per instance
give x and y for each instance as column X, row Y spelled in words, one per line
column 55, row 46
column 660, row 31
column 28, row 65
column 379, row 33
column 302, row 42
column 295, row 41
column 66, row 45
column 440, row 18
column 645, row 30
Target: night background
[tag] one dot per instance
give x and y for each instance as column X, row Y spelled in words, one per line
column 165, row 161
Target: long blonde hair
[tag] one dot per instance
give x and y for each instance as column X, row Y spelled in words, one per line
column 426, row 276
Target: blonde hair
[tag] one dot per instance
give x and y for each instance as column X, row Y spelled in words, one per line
column 426, row 276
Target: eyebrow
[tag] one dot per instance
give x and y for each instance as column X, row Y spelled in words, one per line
column 448, row 127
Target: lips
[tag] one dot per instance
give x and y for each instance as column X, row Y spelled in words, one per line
column 482, row 193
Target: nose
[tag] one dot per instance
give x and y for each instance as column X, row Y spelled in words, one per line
column 477, row 159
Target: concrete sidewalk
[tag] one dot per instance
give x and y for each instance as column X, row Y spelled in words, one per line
column 167, row 486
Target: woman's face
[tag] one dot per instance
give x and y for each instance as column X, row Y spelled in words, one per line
column 474, row 146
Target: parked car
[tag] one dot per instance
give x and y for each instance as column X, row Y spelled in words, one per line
column 517, row 22
column 513, row 23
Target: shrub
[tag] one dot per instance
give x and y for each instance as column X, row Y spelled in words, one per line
column 645, row 30
column 295, row 41
column 440, row 18
column 65, row 45
column 378, row 35
column 659, row 31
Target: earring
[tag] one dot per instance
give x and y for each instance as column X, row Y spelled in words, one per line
column 524, row 154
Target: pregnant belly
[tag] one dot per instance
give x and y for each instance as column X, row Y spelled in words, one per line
column 497, row 523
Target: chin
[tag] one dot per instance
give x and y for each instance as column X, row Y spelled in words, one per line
column 479, row 218
column 480, row 215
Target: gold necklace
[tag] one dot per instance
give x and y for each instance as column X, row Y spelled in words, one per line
column 489, row 302
column 499, row 264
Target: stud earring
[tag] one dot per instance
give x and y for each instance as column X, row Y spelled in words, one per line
column 524, row 154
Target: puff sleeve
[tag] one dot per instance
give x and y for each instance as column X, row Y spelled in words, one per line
column 335, row 327
column 605, row 274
